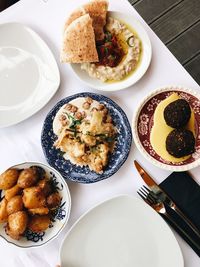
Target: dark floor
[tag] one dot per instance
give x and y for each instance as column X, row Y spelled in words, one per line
column 6, row 3
column 176, row 22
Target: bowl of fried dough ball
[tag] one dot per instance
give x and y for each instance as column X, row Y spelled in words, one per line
column 35, row 204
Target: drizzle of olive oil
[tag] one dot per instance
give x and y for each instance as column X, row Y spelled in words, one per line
column 123, row 44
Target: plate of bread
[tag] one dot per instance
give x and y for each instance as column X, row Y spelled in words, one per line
column 107, row 50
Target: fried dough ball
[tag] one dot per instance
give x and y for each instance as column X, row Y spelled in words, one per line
column 17, row 223
column 33, row 197
column 39, row 211
column 9, row 178
column 180, row 143
column 177, row 113
column 3, row 211
column 39, row 223
column 15, row 190
column 28, row 178
column 46, row 186
column 53, row 200
column 15, row 204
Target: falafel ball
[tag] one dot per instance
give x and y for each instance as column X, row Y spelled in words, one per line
column 180, row 143
column 177, row 113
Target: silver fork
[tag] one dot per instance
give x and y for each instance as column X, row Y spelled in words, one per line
column 152, row 200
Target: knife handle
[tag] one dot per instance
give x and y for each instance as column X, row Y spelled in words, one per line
column 186, row 220
column 185, row 235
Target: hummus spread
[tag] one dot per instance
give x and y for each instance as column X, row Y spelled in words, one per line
column 129, row 58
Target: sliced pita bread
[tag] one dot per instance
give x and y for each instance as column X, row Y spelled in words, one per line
column 97, row 9
column 79, row 42
column 77, row 13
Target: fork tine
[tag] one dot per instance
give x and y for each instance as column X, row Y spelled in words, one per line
column 144, row 196
column 147, row 188
column 143, row 192
column 150, row 193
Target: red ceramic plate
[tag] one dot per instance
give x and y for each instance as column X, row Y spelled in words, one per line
column 143, row 122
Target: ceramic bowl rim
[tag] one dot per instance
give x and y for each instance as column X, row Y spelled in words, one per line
column 67, row 194
column 116, row 106
column 155, row 162
column 129, row 81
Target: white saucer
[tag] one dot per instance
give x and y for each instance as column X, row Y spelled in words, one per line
column 137, row 74
column 29, row 75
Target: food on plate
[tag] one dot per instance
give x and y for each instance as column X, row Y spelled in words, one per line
column 15, row 190
column 33, row 197
column 97, row 10
column 39, row 223
column 8, row 178
column 107, row 48
column 3, row 211
column 79, row 42
column 39, row 211
column 119, row 53
column 30, row 203
column 160, row 132
column 28, row 177
column 85, row 133
column 53, row 200
column 180, row 143
column 110, row 52
column 15, row 204
column 17, row 223
column 177, row 113
column 46, row 186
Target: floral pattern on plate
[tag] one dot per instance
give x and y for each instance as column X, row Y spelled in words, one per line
column 84, row 174
column 59, row 217
column 145, row 123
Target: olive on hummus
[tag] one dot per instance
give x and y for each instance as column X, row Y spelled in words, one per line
column 119, row 53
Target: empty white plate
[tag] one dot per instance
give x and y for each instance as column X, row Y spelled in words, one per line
column 138, row 72
column 121, row 232
column 29, row 75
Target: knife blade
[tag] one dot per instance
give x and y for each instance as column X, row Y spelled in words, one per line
column 163, row 197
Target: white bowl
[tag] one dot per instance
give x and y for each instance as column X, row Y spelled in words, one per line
column 136, row 75
column 141, row 137
column 59, row 221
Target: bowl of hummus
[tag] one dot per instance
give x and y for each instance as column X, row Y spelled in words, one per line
column 124, row 55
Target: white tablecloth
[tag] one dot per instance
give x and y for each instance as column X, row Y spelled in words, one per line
column 21, row 142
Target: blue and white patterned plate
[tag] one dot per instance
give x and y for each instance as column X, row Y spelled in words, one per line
column 59, row 218
column 84, row 174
